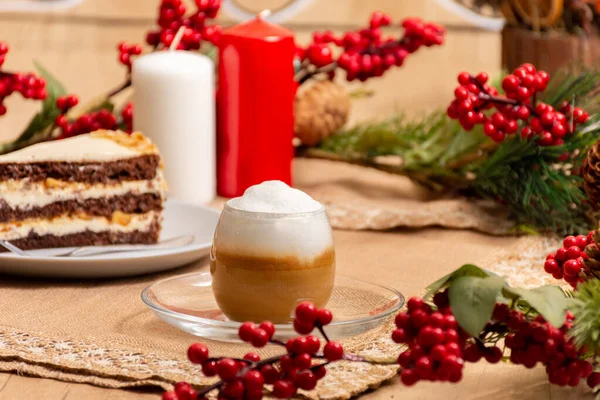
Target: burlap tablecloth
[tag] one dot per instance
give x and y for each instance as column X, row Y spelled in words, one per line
column 99, row 332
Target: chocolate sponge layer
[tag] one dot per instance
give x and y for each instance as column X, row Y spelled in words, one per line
column 103, row 207
column 88, row 238
column 130, row 169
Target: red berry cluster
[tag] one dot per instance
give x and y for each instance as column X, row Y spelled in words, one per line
column 365, row 53
column 537, row 341
column 172, row 16
column 567, row 262
column 87, row 123
column 245, row 378
column 435, row 342
column 127, row 51
column 127, row 115
column 3, row 52
column 540, row 120
column 28, row 85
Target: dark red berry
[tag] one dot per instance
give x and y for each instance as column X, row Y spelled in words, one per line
column 283, row 389
column 333, row 351
column 197, row 353
column 324, row 316
column 253, row 357
column 260, row 338
column 492, row 354
column 253, row 380
column 409, row 377
column 306, row 312
column 306, row 380
column 268, row 327
column 246, row 331
column 227, row 369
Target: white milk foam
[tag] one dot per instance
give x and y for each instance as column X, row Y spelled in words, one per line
column 304, row 237
column 274, row 197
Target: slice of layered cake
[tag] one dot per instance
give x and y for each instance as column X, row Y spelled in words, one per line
column 95, row 189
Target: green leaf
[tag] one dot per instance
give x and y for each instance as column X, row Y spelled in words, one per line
column 45, row 118
column 549, row 301
column 472, row 301
column 465, row 270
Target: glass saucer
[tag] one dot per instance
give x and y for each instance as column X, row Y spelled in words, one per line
column 187, row 302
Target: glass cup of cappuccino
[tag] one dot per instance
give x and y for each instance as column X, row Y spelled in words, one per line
column 263, row 263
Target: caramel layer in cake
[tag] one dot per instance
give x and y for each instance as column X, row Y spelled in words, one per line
column 100, row 188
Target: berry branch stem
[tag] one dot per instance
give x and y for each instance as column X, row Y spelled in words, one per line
column 120, row 88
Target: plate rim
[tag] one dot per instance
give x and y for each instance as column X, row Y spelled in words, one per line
column 232, row 324
column 137, row 256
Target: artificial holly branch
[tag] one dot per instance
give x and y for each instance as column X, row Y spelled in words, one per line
column 365, row 53
column 466, row 316
column 521, row 144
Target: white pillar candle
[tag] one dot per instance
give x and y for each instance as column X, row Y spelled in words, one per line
column 174, row 105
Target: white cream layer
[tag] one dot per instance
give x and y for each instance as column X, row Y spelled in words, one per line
column 66, row 225
column 25, row 195
column 84, row 148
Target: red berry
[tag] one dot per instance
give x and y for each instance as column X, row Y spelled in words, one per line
column 551, row 266
column 415, row 303
column 402, row 320
column 283, row 389
column 333, row 351
column 561, row 254
column 247, row 331
column 409, row 377
column 227, row 369
column 270, row 374
column 233, row 389
column 253, row 380
column 472, row 353
column 419, row 318
column 489, row 128
column 306, row 312
column 399, row 335
column 302, row 328
column 312, row 345
column 482, row 77
column 268, row 327
column 450, row 322
column 573, row 252
column 197, row 353
column 306, row 380
column 493, row 354
column 499, row 120
column 453, row 349
column 324, row 316
column 569, row 241
column 436, row 319
column 571, row 267
column 581, row 242
column 404, row 359
column 593, row 380
column 523, row 93
column 260, row 338
column 438, row 352
column 461, row 93
column 209, row 368
column 253, row 357
column 464, row 78
column 424, row 367
column 170, row 396
column 510, row 83
column 451, row 336
column 520, row 72
column 302, row 361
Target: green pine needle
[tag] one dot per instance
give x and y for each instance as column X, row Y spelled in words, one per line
column 586, row 330
column 542, row 192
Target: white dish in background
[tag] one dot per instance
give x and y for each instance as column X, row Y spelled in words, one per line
column 179, row 219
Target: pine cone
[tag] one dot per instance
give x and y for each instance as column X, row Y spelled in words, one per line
column 591, row 175
column 592, row 262
column 320, row 110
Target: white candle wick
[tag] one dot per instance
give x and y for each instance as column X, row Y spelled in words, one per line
column 177, row 38
column 264, row 14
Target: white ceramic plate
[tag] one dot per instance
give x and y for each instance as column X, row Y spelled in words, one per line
column 179, row 219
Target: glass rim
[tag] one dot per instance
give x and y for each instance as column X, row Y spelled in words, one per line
column 269, row 216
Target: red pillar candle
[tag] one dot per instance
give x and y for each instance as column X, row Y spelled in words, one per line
column 255, row 103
